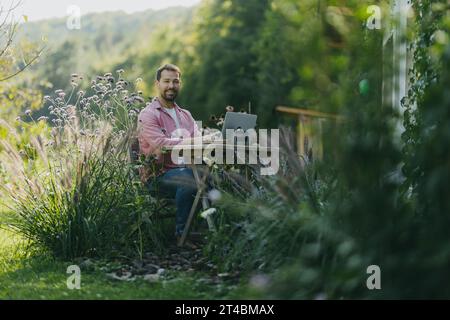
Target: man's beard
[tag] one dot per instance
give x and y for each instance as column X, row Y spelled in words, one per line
column 170, row 97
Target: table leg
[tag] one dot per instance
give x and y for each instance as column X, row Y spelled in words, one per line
column 201, row 185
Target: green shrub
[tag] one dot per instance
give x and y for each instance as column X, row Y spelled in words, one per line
column 314, row 232
column 81, row 198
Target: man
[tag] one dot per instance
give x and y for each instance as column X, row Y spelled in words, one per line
column 158, row 124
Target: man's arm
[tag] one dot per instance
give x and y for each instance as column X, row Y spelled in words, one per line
column 196, row 133
column 151, row 132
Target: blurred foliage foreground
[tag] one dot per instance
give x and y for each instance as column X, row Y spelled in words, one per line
column 312, row 230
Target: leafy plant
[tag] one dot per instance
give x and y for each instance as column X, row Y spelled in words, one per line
column 82, row 197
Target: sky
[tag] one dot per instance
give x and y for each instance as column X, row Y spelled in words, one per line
column 45, row 9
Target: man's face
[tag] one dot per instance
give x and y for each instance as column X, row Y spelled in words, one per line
column 169, row 85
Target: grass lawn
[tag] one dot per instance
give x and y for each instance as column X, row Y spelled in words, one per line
column 38, row 276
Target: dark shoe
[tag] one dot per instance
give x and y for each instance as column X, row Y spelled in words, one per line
column 196, row 236
column 187, row 243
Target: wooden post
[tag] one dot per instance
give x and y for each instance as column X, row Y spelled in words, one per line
column 304, row 129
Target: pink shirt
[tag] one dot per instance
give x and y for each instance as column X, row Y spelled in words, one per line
column 155, row 129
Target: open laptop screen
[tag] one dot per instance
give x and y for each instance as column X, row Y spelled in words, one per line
column 238, row 121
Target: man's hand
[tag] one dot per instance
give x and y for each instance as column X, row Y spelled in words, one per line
column 212, row 137
column 209, row 138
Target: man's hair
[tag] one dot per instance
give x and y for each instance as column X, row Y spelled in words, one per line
column 168, row 67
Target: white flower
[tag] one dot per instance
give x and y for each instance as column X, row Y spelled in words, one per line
column 214, row 195
column 208, row 212
column 260, row 281
column 28, row 112
column 209, row 162
column 139, row 99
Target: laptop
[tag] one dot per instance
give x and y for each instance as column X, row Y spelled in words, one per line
column 238, row 121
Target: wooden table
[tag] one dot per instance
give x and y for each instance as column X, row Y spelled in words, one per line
column 201, row 177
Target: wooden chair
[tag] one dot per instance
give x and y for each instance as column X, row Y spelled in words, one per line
column 165, row 208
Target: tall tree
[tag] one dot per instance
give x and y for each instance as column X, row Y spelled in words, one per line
column 10, row 65
column 224, row 71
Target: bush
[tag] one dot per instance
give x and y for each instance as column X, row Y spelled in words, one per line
column 315, row 231
column 81, row 198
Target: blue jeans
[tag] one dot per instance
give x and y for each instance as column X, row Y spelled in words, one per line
column 178, row 183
